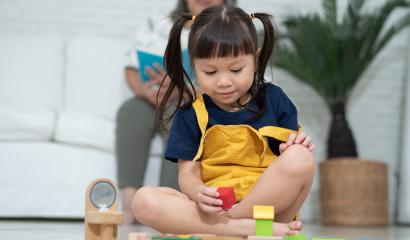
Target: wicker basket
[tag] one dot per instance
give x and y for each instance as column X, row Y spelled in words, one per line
column 353, row 192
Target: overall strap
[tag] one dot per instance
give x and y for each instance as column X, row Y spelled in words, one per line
column 279, row 133
column 202, row 116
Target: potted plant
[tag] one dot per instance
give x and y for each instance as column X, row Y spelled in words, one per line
column 330, row 56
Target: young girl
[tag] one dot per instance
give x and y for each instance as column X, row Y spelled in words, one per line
column 232, row 136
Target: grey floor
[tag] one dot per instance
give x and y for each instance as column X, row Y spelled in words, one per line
column 36, row 230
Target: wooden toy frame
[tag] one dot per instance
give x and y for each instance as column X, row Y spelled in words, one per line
column 101, row 225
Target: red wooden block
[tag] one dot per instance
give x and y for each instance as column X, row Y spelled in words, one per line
column 227, row 195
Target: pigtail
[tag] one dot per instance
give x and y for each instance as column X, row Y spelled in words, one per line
column 268, row 42
column 175, row 70
column 266, row 52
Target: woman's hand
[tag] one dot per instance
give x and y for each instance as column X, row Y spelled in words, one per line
column 158, row 74
column 301, row 139
column 207, row 200
column 149, row 93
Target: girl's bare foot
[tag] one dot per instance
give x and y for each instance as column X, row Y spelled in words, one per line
column 127, row 195
column 129, row 216
column 287, row 229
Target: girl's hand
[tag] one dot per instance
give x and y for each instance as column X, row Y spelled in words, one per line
column 207, row 200
column 301, row 139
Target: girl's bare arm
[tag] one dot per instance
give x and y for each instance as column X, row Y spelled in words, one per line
column 191, row 184
column 190, row 178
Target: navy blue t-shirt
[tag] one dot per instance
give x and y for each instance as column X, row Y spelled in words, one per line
column 185, row 134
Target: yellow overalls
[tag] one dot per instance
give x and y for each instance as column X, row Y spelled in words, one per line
column 235, row 155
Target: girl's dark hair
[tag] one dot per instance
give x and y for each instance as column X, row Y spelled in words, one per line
column 183, row 7
column 218, row 31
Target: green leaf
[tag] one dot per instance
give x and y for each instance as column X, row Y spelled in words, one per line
column 331, row 56
column 378, row 20
column 402, row 23
column 294, row 65
column 329, row 7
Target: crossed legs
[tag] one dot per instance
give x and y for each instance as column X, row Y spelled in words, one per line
column 285, row 184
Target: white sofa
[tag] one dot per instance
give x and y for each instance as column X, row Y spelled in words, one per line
column 58, row 102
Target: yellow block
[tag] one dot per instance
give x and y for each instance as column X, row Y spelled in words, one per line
column 263, row 212
column 184, row 236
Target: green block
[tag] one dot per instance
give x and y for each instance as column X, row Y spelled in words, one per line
column 175, row 238
column 329, row 239
column 296, row 237
column 264, row 227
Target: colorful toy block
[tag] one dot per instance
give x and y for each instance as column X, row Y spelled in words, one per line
column 139, row 236
column 227, row 195
column 199, row 235
column 175, row 237
column 221, row 238
column 263, row 238
column 263, row 212
column 337, row 239
column 296, row 237
column 264, row 227
column 185, row 236
column 264, row 220
column 178, row 236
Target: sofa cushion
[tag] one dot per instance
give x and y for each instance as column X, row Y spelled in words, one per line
column 31, row 68
column 95, row 75
column 48, row 179
column 30, row 85
column 85, row 129
column 26, row 122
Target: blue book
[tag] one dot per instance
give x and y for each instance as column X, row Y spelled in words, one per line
column 149, row 57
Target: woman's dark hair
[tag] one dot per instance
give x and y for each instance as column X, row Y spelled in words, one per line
column 218, row 31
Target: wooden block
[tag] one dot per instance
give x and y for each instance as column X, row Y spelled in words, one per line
column 199, row 235
column 264, row 227
column 184, row 236
column 221, row 238
column 139, row 236
column 175, row 237
column 262, row 238
column 296, row 237
column 227, row 195
column 97, row 217
column 263, row 212
column 337, row 239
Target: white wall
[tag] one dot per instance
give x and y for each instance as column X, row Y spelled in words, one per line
column 374, row 109
column 403, row 215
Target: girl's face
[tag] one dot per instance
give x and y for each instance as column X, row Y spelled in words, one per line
column 195, row 7
column 226, row 80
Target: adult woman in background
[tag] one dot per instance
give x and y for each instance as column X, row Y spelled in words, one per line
column 134, row 119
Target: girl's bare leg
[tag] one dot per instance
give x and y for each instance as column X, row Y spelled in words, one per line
column 169, row 211
column 285, row 184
